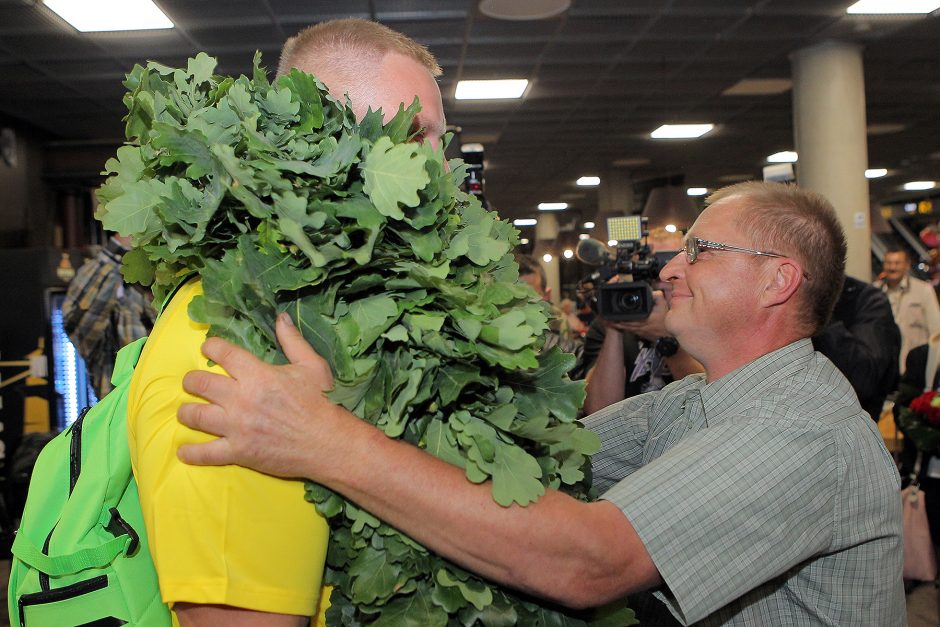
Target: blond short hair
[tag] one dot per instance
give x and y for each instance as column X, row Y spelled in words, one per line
column 350, row 47
column 796, row 222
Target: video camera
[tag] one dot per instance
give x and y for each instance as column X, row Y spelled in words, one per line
column 628, row 300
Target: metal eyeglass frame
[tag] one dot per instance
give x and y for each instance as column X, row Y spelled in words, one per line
column 694, row 245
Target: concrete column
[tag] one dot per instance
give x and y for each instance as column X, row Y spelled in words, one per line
column 546, row 234
column 831, row 139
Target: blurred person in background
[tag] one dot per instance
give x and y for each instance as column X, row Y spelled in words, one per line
column 863, row 341
column 101, row 313
column 560, row 332
column 623, row 359
column 913, row 302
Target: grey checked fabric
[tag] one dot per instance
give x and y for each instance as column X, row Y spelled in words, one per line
column 764, row 498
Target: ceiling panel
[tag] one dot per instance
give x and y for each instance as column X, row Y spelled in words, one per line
column 604, row 75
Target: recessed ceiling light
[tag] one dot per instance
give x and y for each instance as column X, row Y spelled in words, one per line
column 916, row 186
column 525, row 222
column 519, row 10
column 110, row 15
column 588, row 181
column 547, row 258
column 584, row 236
column 568, row 253
column 524, row 241
column 611, row 242
column 589, row 225
column 697, row 191
column 553, row 206
column 891, row 7
column 681, row 131
column 787, row 156
column 875, row 173
column 759, row 87
column 491, row 90
column 670, row 228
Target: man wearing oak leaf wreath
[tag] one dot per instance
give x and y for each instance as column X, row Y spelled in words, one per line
column 263, row 566
column 756, row 493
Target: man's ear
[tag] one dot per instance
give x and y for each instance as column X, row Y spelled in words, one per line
column 785, row 280
column 547, row 294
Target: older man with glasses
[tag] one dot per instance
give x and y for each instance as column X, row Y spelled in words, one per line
column 757, row 493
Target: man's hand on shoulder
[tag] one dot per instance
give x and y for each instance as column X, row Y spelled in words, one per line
column 275, row 419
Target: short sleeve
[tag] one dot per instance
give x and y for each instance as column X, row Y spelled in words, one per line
column 218, row 535
column 732, row 507
column 622, row 429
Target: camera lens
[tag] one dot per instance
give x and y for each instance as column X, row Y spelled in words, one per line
column 627, row 302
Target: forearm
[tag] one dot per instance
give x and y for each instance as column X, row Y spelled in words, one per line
column 606, row 380
column 682, row 365
column 575, row 553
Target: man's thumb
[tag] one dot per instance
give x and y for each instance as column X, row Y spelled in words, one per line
column 292, row 341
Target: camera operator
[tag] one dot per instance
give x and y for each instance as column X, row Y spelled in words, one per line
column 626, row 358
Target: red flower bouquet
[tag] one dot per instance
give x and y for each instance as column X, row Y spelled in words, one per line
column 920, row 421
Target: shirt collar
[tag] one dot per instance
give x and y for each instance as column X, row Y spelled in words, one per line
column 903, row 285
column 742, row 386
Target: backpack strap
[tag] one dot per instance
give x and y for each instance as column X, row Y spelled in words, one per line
column 59, row 565
column 166, row 301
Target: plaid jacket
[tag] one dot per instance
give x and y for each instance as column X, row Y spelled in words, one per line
column 101, row 314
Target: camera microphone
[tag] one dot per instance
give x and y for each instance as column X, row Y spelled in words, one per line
column 592, row 252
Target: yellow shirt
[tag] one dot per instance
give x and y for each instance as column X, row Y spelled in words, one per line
column 220, row 535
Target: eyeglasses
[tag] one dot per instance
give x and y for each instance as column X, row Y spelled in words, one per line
column 694, row 245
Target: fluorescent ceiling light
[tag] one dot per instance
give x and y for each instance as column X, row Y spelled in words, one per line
column 110, row 15
column 875, row 173
column 589, row 225
column 681, row 131
column 553, row 206
column 787, row 156
column 525, row 222
column 490, row 90
column 568, row 253
column 697, row 191
column 915, row 186
column 588, row 181
column 891, row 7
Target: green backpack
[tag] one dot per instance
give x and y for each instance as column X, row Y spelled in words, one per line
column 81, row 555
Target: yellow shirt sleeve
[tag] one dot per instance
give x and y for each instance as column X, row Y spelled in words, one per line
column 221, row 535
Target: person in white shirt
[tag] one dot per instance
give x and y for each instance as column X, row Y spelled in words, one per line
column 913, row 302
